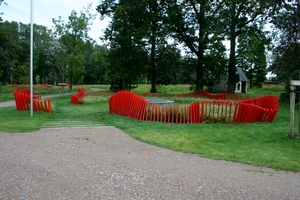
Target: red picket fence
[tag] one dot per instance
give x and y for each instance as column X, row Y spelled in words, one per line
column 258, row 109
column 167, row 114
column 129, row 104
column 264, row 109
column 78, row 98
column 22, row 100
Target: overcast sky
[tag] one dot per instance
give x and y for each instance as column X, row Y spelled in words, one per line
column 45, row 10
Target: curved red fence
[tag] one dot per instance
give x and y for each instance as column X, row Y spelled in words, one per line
column 78, row 98
column 22, row 100
column 130, row 104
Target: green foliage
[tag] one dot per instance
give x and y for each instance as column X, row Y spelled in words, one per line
column 96, row 65
column 143, row 39
column 139, row 46
column 188, row 23
column 44, row 54
column 72, row 37
column 286, row 61
column 251, row 55
column 239, row 16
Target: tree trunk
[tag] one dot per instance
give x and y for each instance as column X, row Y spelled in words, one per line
column 153, row 56
column 232, row 59
column 71, row 77
column 231, row 66
column 153, row 71
column 202, row 40
column 199, row 70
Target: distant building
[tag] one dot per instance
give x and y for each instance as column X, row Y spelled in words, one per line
column 222, row 86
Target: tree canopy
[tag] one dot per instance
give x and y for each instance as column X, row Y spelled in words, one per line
column 157, row 42
column 72, row 37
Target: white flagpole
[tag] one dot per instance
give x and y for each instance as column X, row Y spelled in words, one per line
column 31, row 59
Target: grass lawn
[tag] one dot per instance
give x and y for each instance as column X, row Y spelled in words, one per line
column 260, row 144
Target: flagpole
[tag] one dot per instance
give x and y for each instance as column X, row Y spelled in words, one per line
column 31, row 58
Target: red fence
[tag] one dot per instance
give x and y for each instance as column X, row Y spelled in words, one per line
column 259, row 109
column 79, row 97
column 22, row 99
column 264, row 109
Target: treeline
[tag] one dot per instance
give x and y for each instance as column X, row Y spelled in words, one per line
column 63, row 54
column 150, row 41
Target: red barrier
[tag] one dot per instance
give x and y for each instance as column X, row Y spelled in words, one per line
column 126, row 103
column 22, row 101
column 78, row 98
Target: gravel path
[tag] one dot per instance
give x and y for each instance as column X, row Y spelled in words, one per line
column 105, row 163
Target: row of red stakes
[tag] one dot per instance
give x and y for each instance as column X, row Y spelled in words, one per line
column 79, row 97
column 264, row 109
column 22, row 100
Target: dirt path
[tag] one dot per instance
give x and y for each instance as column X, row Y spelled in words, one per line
column 105, row 163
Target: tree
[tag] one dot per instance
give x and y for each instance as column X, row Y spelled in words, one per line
column 153, row 37
column 96, row 65
column 238, row 16
column 147, row 32
column 72, row 37
column 286, row 51
column 285, row 55
column 127, row 57
column 9, row 38
column 14, row 52
column 44, row 53
column 168, row 63
column 194, row 24
column 251, row 54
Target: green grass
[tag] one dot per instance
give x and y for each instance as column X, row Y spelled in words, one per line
column 164, row 89
column 266, row 90
column 259, row 144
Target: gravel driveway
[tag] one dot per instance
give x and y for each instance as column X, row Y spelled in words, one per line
column 105, row 163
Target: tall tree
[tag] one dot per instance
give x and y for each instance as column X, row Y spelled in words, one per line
column 285, row 55
column 238, row 15
column 286, row 60
column 43, row 50
column 146, row 31
column 154, row 36
column 72, row 36
column 251, row 54
column 96, row 65
column 127, row 57
column 9, row 37
column 168, row 64
column 193, row 24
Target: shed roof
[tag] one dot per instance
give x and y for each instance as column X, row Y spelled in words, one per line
column 241, row 74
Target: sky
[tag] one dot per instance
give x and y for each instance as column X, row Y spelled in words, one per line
column 45, row 10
